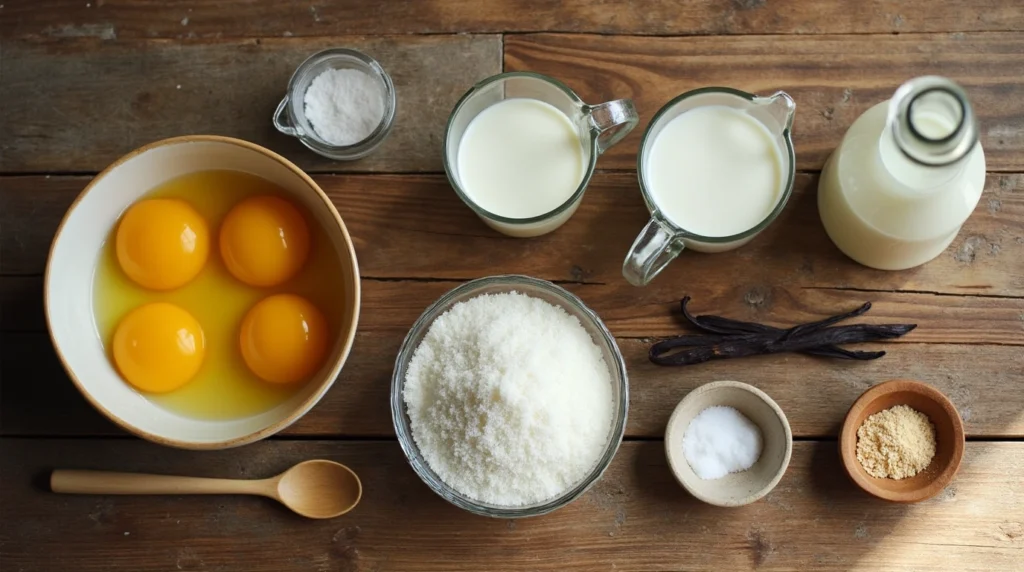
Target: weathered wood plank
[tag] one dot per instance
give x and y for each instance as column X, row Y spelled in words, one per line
column 636, row 518
column 97, row 100
column 31, row 209
column 70, row 120
column 394, row 220
column 392, row 307
column 832, row 78
column 251, row 18
column 984, row 381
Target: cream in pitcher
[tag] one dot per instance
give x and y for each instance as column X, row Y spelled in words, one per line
column 906, row 176
column 715, row 168
column 520, row 149
column 520, row 158
column 715, row 171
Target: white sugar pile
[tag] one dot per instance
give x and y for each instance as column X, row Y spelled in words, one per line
column 344, row 106
column 510, row 399
column 721, row 440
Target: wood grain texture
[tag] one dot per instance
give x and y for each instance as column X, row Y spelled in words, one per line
column 636, row 518
column 983, row 381
column 69, row 120
column 790, row 274
column 832, row 78
column 82, row 82
column 392, row 306
column 251, row 18
column 98, row 100
column 394, row 220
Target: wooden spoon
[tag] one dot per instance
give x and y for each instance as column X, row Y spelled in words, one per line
column 314, row 489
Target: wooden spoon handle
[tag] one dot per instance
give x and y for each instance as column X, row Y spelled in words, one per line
column 109, row 483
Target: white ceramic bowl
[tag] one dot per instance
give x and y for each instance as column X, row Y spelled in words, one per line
column 75, row 252
column 734, row 489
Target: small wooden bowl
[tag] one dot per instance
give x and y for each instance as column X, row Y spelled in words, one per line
column 949, row 437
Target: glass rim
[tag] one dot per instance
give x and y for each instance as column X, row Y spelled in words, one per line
column 935, row 152
column 679, row 232
column 479, row 210
column 310, row 138
column 403, row 427
column 961, row 122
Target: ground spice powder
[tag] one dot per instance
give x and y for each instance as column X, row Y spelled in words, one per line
column 896, row 443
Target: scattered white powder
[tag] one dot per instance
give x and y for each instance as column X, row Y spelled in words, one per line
column 721, row 440
column 344, row 105
column 510, row 399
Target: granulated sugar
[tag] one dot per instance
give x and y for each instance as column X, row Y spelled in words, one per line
column 344, row 106
column 510, row 399
column 896, row 443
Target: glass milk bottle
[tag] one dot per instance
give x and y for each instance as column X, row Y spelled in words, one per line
column 905, row 177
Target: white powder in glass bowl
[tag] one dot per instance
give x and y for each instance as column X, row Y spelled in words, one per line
column 509, row 398
column 344, row 106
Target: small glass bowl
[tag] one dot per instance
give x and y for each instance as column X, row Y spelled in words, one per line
column 549, row 293
column 290, row 116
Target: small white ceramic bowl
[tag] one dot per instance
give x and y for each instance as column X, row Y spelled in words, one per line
column 734, row 489
column 75, row 253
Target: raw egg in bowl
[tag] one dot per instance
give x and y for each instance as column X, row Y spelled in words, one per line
column 202, row 292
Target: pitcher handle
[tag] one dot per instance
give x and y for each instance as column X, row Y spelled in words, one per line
column 611, row 121
column 281, row 122
column 656, row 246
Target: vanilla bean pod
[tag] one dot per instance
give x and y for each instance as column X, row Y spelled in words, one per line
column 719, row 325
column 733, row 338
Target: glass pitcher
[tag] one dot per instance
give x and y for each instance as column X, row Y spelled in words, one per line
column 662, row 239
column 598, row 126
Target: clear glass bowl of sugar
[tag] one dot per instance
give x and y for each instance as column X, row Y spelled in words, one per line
column 598, row 333
column 349, row 91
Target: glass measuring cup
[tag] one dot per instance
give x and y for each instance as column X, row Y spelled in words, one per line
column 662, row 240
column 598, row 126
column 290, row 115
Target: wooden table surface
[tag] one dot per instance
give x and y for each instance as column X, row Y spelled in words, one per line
column 82, row 82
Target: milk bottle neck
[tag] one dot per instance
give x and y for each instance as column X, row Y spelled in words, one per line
column 930, row 130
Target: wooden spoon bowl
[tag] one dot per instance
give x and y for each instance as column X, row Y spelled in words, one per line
column 949, row 437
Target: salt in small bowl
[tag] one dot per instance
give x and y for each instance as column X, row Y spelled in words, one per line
column 741, row 488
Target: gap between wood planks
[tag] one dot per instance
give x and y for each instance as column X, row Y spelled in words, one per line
column 902, row 291
column 98, row 33
column 393, row 439
column 460, row 280
column 343, row 173
column 711, row 34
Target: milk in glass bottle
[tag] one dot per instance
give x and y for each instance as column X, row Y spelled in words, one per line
column 905, row 177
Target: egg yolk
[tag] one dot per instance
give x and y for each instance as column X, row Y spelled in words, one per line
column 264, row 241
column 283, row 339
column 162, row 244
column 158, row 347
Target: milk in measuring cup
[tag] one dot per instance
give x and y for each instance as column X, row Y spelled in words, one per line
column 715, row 171
column 520, row 158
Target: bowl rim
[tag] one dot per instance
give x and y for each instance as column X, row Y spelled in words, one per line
column 302, row 408
column 673, row 425
column 848, row 436
column 411, row 450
